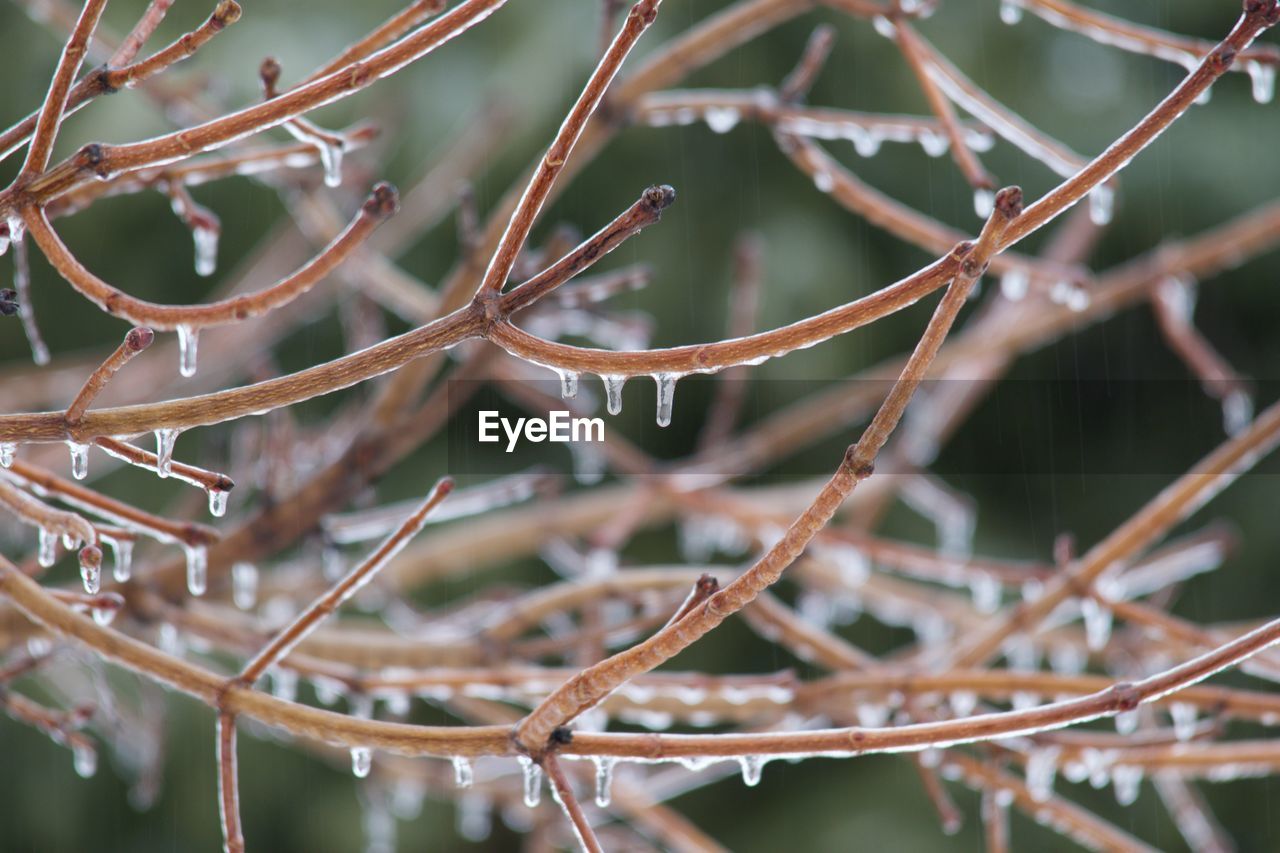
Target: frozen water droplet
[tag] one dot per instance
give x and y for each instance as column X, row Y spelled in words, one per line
column 104, row 616
column 331, row 162
column 361, row 761
column 666, row 395
column 462, row 773
column 1263, row 77
column 85, row 759
column 604, row 779
column 752, row 767
column 165, row 440
column 613, row 393
column 1013, row 285
column 122, row 551
column 217, row 502
column 1097, row 623
column 866, row 142
column 984, row 201
column 197, row 568
column 206, row 240
column 1102, row 201
column 1126, row 722
column 1203, row 97
column 722, row 119
column 188, row 340
column 91, row 577
column 823, row 181
column 244, row 585
column 1183, row 715
column 7, row 451
column 1010, row 11
column 568, row 384
column 48, row 553
column 79, row 460
column 532, row 781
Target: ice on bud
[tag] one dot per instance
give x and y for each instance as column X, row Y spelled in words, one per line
column 165, row 440
column 463, row 775
column 613, row 393
column 197, row 568
column 666, row 395
column 79, row 459
column 361, row 761
column 188, row 340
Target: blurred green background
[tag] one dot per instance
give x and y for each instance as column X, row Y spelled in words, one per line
column 533, row 55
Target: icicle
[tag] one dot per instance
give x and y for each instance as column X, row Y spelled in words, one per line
column 79, row 460
column 752, row 767
column 532, row 781
column 1237, row 412
column 244, row 585
column 1183, row 715
column 330, row 161
column 1010, row 11
column 984, row 201
column 122, row 551
column 188, row 340
column 568, row 384
column 613, row 393
column 866, row 142
column 722, row 119
column 1126, row 722
column 462, row 773
column 604, row 779
column 217, row 502
column 197, row 568
column 985, row 589
column 85, row 759
column 666, row 394
column 824, row 181
column 1263, row 77
column 206, row 240
column 361, row 761
column 475, row 817
column 1097, row 623
column 165, row 439
column 1042, row 766
column 1126, row 781
column 7, row 451
column 48, row 554
column 1101, row 204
